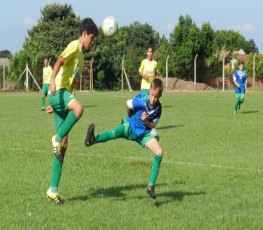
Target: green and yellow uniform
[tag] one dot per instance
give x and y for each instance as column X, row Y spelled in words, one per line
column 149, row 68
column 66, row 80
column 47, row 72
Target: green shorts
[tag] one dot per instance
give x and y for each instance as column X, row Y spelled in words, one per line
column 45, row 89
column 59, row 103
column 142, row 140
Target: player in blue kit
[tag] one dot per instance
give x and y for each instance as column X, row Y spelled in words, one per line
column 144, row 112
column 240, row 81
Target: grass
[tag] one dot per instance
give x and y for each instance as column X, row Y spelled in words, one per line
column 210, row 178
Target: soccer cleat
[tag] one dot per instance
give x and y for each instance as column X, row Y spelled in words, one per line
column 150, row 191
column 235, row 112
column 56, row 146
column 43, row 109
column 54, row 196
column 90, row 138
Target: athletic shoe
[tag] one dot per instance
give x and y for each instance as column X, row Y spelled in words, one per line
column 54, row 196
column 150, row 191
column 56, row 146
column 43, row 109
column 90, row 138
column 235, row 112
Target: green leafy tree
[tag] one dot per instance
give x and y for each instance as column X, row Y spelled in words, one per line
column 5, row 54
column 57, row 26
column 185, row 44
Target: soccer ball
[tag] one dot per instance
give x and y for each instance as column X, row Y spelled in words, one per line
column 109, row 26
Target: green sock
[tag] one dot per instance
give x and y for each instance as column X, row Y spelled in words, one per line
column 237, row 98
column 56, row 173
column 66, row 126
column 117, row 132
column 155, row 169
column 43, row 102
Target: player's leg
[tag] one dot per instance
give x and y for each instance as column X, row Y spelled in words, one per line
column 237, row 102
column 43, row 95
column 242, row 98
column 151, row 142
column 112, row 134
column 75, row 110
column 155, row 147
column 57, row 163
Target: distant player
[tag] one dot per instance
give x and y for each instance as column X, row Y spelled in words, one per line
column 240, row 81
column 47, row 72
column 148, row 70
column 144, row 112
column 66, row 109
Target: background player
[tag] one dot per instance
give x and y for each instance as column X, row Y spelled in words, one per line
column 148, row 70
column 240, row 81
column 47, row 72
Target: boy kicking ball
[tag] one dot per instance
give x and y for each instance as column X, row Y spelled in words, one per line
column 144, row 112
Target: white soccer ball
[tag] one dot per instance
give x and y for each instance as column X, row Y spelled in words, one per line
column 109, row 26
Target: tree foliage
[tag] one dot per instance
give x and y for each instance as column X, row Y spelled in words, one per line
column 58, row 25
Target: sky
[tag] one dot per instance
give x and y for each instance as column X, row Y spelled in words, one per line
column 17, row 16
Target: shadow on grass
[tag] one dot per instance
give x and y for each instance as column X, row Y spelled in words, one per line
column 89, row 106
column 171, row 196
column 249, row 112
column 167, row 106
column 118, row 193
column 169, row 126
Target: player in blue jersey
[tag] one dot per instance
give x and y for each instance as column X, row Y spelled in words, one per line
column 144, row 112
column 240, row 81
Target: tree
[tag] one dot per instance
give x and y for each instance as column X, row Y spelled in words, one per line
column 185, row 44
column 5, row 54
column 57, row 26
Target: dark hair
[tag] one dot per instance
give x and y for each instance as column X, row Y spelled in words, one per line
column 157, row 84
column 46, row 58
column 89, row 26
column 241, row 63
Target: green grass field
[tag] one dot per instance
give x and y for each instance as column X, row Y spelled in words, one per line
column 211, row 176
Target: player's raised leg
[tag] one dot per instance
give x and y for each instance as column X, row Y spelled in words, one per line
column 117, row 132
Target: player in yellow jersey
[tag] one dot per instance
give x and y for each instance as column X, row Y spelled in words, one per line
column 148, row 71
column 66, row 109
column 47, row 71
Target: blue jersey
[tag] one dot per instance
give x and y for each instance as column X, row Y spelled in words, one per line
column 140, row 104
column 240, row 77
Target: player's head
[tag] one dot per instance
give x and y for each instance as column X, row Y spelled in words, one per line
column 46, row 62
column 241, row 63
column 155, row 91
column 88, row 30
column 150, row 53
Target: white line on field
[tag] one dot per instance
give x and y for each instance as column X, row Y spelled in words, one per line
column 217, row 166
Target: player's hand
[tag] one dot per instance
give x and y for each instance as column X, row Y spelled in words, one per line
column 52, row 88
column 49, row 109
column 144, row 116
column 238, row 86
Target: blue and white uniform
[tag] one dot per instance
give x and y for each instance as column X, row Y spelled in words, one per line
column 240, row 77
column 139, row 104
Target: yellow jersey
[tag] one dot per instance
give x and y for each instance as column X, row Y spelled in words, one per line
column 47, row 72
column 69, row 74
column 149, row 68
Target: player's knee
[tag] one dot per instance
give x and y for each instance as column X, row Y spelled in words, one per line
column 78, row 110
column 159, row 152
